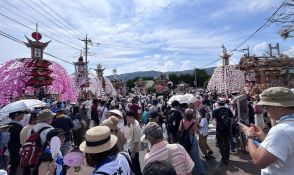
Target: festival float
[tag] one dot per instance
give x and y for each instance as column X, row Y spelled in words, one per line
column 267, row 71
column 81, row 79
column 161, row 83
column 140, row 86
column 34, row 77
column 100, row 85
column 226, row 78
column 118, row 84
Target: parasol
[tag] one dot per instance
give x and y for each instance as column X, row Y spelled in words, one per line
column 22, row 105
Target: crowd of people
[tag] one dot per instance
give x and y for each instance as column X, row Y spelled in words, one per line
column 111, row 132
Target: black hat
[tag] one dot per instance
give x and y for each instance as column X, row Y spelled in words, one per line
column 54, row 132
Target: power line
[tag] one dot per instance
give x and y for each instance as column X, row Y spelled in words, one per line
column 34, row 30
column 58, row 58
column 24, row 17
column 53, row 17
column 267, row 21
column 211, row 63
column 21, row 42
column 260, row 28
column 74, row 30
column 44, row 15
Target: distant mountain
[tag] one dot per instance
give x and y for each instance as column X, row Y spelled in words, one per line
column 132, row 75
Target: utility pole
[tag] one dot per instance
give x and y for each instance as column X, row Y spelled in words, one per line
column 86, row 41
column 195, row 78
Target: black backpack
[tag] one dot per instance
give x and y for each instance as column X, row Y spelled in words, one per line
column 171, row 122
column 225, row 122
column 185, row 137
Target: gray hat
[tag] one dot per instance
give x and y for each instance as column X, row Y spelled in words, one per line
column 277, row 96
column 152, row 129
column 45, row 115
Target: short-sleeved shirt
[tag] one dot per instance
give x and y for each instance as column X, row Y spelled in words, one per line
column 204, row 126
column 181, row 160
column 116, row 165
column 135, row 136
column 279, row 142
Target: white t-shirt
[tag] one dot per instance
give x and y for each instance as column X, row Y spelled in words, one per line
column 280, row 143
column 118, row 165
column 204, row 126
column 102, row 112
column 135, row 137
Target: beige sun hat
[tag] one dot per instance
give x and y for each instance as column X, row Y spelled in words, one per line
column 45, row 115
column 277, row 96
column 117, row 112
column 111, row 122
column 98, row 140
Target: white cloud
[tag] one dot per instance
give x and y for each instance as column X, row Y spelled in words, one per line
column 245, row 6
column 290, row 51
column 260, row 48
column 186, row 64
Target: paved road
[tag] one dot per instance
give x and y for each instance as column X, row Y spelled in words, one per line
column 240, row 162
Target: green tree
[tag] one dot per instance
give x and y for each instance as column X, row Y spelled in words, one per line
column 202, row 77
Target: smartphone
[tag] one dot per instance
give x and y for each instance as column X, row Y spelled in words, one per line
column 242, row 122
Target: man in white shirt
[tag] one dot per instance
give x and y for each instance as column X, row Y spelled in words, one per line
column 134, row 141
column 102, row 111
column 275, row 155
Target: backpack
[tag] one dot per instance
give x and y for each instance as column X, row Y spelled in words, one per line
column 171, row 122
column 94, row 116
column 32, row 149
column 225, row 122
column 185, row 137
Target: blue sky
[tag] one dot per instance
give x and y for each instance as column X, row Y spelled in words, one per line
column 139, row 35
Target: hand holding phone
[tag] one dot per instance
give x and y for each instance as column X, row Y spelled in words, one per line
column 242, row 122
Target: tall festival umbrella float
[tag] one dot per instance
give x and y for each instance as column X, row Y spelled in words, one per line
column 34, row 76
column 90, row 85
column 226, row 78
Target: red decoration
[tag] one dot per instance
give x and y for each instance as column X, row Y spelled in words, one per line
column 37, row 36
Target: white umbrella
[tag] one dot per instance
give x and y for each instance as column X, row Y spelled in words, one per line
column 187, row 98
column 22, row 105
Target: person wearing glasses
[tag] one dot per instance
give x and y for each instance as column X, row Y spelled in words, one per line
column 275, row 154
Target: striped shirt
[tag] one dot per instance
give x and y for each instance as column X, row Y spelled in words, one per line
column 181, row 160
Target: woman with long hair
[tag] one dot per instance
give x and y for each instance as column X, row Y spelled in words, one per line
column 188, row 123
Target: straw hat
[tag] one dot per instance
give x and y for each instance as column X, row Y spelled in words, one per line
column 45, row 115
column 98, row 140
column 117, row 112
column 111, row 122
column 277, row 96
